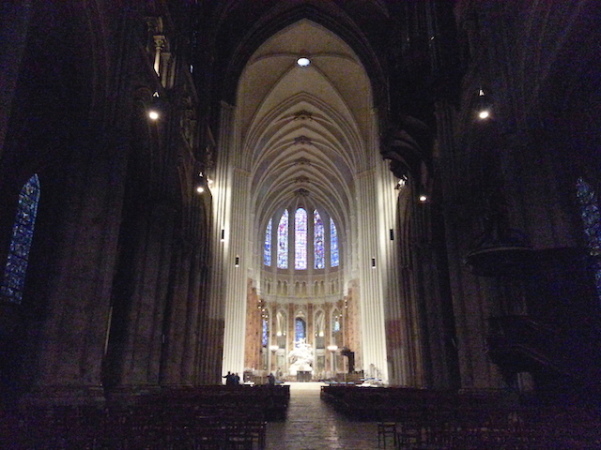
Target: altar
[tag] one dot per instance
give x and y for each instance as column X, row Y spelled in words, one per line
column 301, row 361
column 304, row 375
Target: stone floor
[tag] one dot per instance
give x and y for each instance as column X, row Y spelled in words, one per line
column 313, row 425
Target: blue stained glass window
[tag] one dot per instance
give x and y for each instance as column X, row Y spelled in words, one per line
column 283, row 241
column 300, row 234
column 591, row 218
column 265, row 336
column 299, row 329
column 333, row 244
column 13, row 282
column 320, row 260
column 267, row 249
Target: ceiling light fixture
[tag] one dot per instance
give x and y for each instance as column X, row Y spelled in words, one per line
column 303, row 61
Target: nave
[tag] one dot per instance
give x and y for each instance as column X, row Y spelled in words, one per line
column 407, row 191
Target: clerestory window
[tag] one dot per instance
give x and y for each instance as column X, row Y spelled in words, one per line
column 300, row 226
column 310, row 234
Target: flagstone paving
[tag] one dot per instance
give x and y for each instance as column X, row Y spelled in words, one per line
column 313, row 425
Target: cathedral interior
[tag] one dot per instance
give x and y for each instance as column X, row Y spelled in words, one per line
column 407, row 190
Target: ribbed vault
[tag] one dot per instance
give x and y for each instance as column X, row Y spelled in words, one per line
column 304, row 127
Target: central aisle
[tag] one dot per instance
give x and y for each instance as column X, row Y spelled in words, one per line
column 312, row 425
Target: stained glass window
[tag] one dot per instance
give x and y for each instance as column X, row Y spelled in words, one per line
column 299, row 329
column 302, row 237
column 333, row 244
column 591, row 217
column 265, row 335
column 267, row 249
column 283, row 241
column 320, row 260
column 300, row 234
column 16, row 263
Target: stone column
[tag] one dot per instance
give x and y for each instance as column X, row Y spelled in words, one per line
column 373, row 333
column 141, row 355
column 192, row 333
column 291, row 326
column 175, row 339
column 78, row 218
column 209, row 331
column 310, row 331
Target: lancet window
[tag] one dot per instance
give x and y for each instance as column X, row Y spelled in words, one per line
column 283, row 241
column 13, row 282
column 267, row 247
column 591, row 218
column 310, row 234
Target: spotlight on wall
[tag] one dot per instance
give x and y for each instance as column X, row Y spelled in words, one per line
column 237, row 261
column 154, row 108
column 373, row 263
column 423, row 198
column 484, row 105
column 222, row 235
column 202, row 183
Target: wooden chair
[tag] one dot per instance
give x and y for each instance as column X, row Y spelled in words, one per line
column 386, row 430
column 409, row 435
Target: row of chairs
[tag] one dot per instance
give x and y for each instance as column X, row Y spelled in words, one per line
column 500, row 434
column 132, row 428
column 420, row 418
column 371, row 403
column 272, row 400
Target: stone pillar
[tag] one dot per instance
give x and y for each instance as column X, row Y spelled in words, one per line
column 236, row 270
column 175, row 339
column 141, row 357
column 291, row 326
column 210, row 331
column 373, row 333
column 310, row 325
column 78, row 218
column 192, row 332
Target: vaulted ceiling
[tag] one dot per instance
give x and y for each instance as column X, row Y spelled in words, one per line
column 304, row 129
